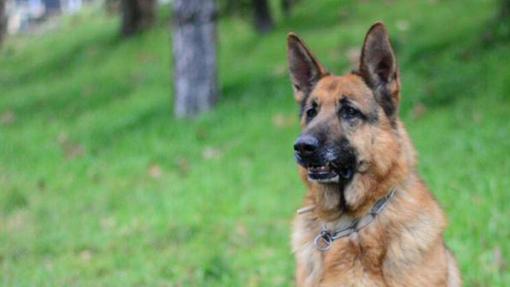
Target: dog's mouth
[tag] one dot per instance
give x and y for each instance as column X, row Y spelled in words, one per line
column 323, row 173
column 329, row 173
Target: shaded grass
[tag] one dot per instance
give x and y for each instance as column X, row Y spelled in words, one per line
column 101, row 186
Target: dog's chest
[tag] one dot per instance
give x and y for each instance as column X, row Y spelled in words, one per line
column 351, row 261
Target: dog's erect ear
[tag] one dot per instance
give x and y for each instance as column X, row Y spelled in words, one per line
column 305, row 70
column 378, row 67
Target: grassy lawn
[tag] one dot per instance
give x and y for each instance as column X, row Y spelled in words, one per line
column 101, row 186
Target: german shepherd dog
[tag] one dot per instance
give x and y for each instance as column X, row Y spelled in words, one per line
column 367, row 219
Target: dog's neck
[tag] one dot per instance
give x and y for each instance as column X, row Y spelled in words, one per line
column 348, row 226
column 360, row 195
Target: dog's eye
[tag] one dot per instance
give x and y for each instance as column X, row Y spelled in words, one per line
column 348, row 113
column 311, row 113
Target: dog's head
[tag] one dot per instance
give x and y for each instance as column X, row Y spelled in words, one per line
column 349, row 123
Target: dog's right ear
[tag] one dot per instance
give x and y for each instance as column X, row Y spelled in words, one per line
column 305, row 71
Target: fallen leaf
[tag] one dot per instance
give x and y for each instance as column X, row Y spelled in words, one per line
column 41, row 184
column 71, row 149
column 280, row 70
column 7, row 118
column 497, row 259
column 241, row 230
column 419, row 111
column 62, row 138
column 155, row 171
column 183, row 166
column 283, row 121
column 17, row 221
column 86, row 255
column 74, row 151
column 211, row 153
column 108, row 223
column 402, row 25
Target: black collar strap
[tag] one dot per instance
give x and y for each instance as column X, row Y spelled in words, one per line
column 326, row 237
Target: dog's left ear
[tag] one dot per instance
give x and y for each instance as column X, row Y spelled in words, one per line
column 379, row 69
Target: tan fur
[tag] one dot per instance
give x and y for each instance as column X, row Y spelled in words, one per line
column 404, row 245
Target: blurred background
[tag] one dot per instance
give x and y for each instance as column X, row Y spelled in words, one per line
column 147, row 143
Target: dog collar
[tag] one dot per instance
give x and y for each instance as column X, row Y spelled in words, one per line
column 325, row 239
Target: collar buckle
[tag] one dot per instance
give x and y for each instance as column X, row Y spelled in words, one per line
column 323, row 241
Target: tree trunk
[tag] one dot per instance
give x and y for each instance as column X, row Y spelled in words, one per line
column 137, row 16
column 286, row 7
column 194, row 51
column 498, row 29
column 262, row 14
column 3, row 21
column 504, row 10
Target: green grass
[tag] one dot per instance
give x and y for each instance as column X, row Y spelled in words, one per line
column 101, row 186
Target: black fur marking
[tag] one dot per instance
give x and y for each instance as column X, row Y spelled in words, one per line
column 356, row 72
column 343, row 206
column 372, row 118
column 345, row 166
column 384, row 98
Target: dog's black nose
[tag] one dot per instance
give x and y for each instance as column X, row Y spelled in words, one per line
column 306, row 145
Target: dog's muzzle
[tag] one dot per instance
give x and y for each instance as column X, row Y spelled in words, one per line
column 324, row 165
